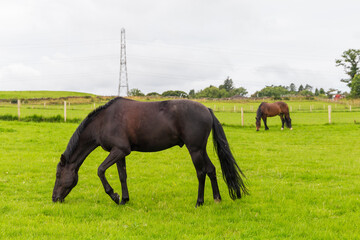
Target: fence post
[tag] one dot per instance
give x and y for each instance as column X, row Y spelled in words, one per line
column 19, row 103
column 350, row 108
column 64, row 111
column 234, row 108
column 329, row 110
column 242, row 116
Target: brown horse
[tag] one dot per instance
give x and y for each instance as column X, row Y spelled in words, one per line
column 122, row 126
column 270, row 110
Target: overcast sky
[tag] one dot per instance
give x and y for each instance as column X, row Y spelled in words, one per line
column 74, row 45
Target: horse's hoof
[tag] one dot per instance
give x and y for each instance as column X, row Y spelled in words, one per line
column 124, row 201
column 115, row 197
column 282, row 129
column 198, row 204
column 290, row 128
column 217, row 200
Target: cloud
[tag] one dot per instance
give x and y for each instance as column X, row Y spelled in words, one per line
column 19, row 73
column 184, row 45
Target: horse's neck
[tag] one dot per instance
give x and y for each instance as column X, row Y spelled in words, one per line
column 81, row 151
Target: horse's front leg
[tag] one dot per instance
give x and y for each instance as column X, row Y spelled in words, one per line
column 264, row 120
column 121, row 166
column 115, row 155
column 282, row 121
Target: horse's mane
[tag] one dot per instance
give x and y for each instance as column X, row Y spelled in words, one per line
column 258, row 112
column 76, row 135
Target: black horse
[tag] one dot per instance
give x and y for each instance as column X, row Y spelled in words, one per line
column 124, row 125
column 266, row 110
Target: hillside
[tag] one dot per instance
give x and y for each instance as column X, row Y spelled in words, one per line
column 40, row 94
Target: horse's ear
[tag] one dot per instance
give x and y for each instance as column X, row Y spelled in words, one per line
column 62, row 159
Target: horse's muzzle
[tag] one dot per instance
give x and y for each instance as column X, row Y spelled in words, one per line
column 56, row 199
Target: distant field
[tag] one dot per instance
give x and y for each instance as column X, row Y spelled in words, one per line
column 39, row 94
column 302, row 112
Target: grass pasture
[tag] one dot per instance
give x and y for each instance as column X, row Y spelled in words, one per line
column 304, row 184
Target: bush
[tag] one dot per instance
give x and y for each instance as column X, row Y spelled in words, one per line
column 8, row 117
column 39, row 118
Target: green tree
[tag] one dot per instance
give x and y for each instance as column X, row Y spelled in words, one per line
column 355, row 87
column 176, row 93
column 210, row 92
column 238, row 92
column 153, row 94
column 306, row 93
column 192, row 93
column 317, row 92
column 301, row 88
column 292, row 88
column 136, row 92
column 322, row 91
column 308, row 87
column 350, row 62
column 272, row 91
column 228, row 85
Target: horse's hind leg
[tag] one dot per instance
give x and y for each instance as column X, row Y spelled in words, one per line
column 121, row 166
column 211, row 172
column 199, row 163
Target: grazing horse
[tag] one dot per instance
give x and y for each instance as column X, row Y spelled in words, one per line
column 270, row 110
column 124, row 125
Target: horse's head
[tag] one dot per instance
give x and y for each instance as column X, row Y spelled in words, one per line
column 66, row 179
column 258, row 123
column 258, row 116
column 288, row 122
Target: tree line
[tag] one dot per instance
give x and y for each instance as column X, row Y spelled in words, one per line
column 350, row 60
column 225, row 90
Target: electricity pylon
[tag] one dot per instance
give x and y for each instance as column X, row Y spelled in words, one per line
column 123, row 76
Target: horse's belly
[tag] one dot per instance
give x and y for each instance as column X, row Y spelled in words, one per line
column 156, row 145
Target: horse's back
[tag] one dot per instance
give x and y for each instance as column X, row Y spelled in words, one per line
column 273, row 109
column 154, row 126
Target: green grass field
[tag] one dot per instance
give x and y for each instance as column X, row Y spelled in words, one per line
column 304, row 184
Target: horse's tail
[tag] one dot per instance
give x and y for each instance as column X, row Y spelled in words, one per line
column 230, row 170
column 287, row 116
column 258, row 112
